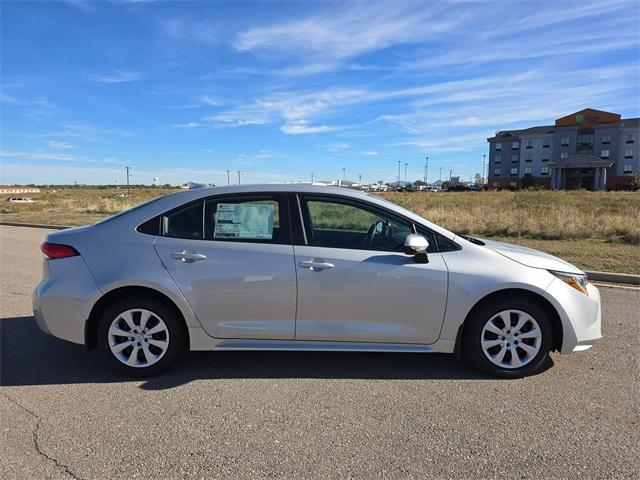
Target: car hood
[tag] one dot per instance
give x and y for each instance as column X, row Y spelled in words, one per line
column 530, row 257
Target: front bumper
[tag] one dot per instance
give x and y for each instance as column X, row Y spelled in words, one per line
column 581, row 315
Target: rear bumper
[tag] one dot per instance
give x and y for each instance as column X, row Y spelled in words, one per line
column 581, row 316
column 61, row 302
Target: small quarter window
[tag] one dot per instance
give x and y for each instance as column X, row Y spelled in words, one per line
column 183, row 222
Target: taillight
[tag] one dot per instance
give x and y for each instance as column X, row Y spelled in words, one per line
column 56, row 250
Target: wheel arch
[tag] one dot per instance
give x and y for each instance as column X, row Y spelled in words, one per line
column 554, row 316
column 93, row 322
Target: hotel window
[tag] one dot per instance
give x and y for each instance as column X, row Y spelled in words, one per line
column 527, row 170
column 544, row 170
column 585, row 139
column 564, row 155
column 515, row 158
column 545, row 159
column 606, row 139
column 628, row 153
column 514, row 171
column 630, row 138
column 496, row 172
column 564, row 142
column 628, row 169
column 497, row 159
column 528, row 159
column 604, row 153
column 515, row 145
column 546, row 143
column 528, row 144
column 498, row 146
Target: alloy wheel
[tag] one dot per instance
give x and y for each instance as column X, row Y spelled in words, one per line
column 138, row 338
column 511, row 339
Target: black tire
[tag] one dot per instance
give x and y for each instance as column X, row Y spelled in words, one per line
column 475, row 324
column 177, row 336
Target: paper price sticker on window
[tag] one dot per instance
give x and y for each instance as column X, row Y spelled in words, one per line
column 240, row 220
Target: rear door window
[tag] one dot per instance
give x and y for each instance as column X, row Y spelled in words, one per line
column 258, row 219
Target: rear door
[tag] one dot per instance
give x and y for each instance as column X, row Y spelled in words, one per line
column 356, row 284
column 232, row 259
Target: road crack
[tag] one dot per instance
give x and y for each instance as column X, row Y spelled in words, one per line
column 37, row 441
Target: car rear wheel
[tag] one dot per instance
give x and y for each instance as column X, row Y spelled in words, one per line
column 508, row 338
column 142, row 336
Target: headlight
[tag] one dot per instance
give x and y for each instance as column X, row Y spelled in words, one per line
column 579, row 282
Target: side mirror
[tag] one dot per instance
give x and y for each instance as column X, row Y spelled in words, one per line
column 416, row 246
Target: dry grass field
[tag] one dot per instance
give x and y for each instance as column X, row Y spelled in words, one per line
column 595, row 230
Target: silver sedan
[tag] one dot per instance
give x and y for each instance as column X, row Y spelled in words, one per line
column 294, row 267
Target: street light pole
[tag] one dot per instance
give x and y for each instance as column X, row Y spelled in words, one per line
column 426, row 170
column 484, row 159
column 238, row 177
column 450, row 173
column 405, row 174
column 311, row 178
column 128, row 186
column 228, row 177
column 399, row 177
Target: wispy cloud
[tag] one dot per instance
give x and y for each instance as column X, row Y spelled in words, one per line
column 323, row 41
column 117, row 76
column 38, row 155
column 188, row 125
column 60, row 145
column 302, row 128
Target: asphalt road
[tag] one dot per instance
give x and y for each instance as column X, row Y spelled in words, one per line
column 325, row 415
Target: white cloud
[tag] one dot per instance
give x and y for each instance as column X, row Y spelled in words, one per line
column 116, row 76
column 322, row 41
column 301, row 128
column 370, row 153
column 38, row 155
column 62, row 145
column 188, row 125
column 207, row 100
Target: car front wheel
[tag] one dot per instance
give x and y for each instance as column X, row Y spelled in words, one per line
column 142, row 336
column 508, row 338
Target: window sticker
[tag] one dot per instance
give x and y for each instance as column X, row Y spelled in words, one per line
column 242, row 220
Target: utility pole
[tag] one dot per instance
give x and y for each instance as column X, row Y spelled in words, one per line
column 484, row 159
column 440, row 175
column 426, row 169
column 228, row 177
column 128, row 186
column 405, row 174
column 344, row 174
column 360, row 179
column 450, row 173
column 238, row 177
column 311, row 178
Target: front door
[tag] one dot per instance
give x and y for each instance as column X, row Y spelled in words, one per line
column 580, row 178
column 234, row 265
column 355, row 283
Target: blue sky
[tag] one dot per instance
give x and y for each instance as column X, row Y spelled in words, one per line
column 186, row 90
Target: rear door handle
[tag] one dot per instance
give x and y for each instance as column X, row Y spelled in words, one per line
column 316, row 264
column 188, row 256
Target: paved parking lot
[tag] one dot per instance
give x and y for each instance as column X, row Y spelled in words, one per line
column 330, row 415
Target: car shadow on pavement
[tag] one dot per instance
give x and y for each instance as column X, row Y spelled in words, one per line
column 30, row 357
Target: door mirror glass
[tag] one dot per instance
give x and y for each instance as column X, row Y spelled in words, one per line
column 416, row 245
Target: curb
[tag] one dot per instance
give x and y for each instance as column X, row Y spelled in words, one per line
column 610, row 277
column 614, row 277
column 35, row 225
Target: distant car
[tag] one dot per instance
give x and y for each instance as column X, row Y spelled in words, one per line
column 20, row 200
column 294, row 267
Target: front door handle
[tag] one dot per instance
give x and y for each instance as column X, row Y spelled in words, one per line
column 316, row 264
column 188, row 256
